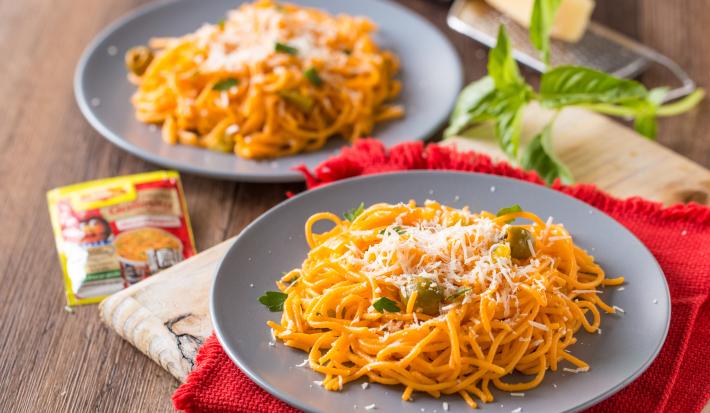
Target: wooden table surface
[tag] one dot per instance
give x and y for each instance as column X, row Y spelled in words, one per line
column 53, row 360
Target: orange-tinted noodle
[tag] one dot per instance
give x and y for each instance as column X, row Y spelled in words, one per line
column 496, row 314
column 270, row 80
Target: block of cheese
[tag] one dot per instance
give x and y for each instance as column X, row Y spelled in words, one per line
column 570, row 21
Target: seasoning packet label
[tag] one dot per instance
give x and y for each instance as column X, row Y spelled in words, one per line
column 112, row 233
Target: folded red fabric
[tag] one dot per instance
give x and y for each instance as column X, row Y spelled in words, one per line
column 678, row 236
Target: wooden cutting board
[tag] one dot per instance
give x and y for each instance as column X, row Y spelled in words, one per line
column 167, row 316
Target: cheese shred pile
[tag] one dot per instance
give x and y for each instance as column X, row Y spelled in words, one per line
column 440, row 300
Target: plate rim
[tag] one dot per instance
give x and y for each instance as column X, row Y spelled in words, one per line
column 83, row 101
column 286, row 398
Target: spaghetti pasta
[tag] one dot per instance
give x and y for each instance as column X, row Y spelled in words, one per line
column 440, row 300
column 270, row 80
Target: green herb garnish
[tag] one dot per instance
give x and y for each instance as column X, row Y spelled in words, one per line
column 226, row 84
column 354, row 212
column 304, row 103
column 220, row 24
column 461, row 291
column 543, row 16
column 539, row 156
column 284, row 48
column 509, row 210
column 312, row 75
column 273, row 300
column 396, row 229
column 500, row 98
column 385, row 304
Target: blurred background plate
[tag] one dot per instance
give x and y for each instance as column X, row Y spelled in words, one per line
column 629, row 343
column 431, row 75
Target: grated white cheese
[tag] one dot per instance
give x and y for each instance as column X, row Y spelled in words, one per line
column 530, row 247
column 619, row 309
column 445, row 405
column 575, row 371
column 303, row 363
column 518, row 410
column 231, row 129
column 370, row 406
column 364, row 385
column 517, row 394
column 620, row 289
column 538, row 325
column 655, row 301
column 587, row 292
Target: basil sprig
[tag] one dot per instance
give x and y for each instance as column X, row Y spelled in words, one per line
column 501, row 96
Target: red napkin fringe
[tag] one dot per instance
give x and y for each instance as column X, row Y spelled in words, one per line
column 678, row 236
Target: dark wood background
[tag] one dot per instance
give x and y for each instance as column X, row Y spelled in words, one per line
column 52, row 360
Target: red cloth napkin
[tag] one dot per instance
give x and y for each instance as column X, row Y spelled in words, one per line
column 678, row 236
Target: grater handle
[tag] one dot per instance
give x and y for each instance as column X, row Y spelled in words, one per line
column 687, row 85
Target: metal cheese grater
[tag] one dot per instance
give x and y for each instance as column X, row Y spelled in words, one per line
column 600, row 48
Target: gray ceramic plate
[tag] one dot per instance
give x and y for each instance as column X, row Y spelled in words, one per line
column 431, row 76
column 275, row 243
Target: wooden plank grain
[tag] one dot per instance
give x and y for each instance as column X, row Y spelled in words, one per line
column 68, row 362
column 54, row 360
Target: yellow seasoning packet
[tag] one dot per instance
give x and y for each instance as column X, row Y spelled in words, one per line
column 114, row 232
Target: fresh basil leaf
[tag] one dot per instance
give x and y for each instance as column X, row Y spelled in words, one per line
column 540, row 157
column 574, row 85
column 312, row 75
column 509, row 126
column 273, row 300
column 471, row 105
column 509, row 210
column 226, row 84
column 541, row 21
column 461, row 291
column 354, row 212
column 502, row 67
column 385, row 304
column 646, row 125
column 645, row 117
column 284, row 48
column 507, row 108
